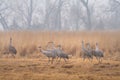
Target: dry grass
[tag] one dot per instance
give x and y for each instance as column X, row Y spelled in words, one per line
column 74, row 69
column 36, row 68
column 26, row 42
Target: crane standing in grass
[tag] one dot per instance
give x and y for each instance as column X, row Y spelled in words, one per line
column 59, row 52
column 98, row 53
column 90, row 50
column 86, row 53
column 50, row 45
column 12, row 49
column 49, row 54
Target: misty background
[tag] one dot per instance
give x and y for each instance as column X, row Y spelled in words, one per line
column 59, row 15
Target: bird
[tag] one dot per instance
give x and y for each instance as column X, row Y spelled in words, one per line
column 86, row 53
column 50, row 45
column 58, row 51
column 99, row 54
column 12, row 49
column 61, row 53
column 90, row 51
column 49, row 54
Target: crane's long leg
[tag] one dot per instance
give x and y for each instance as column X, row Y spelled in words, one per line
column 90, row 59
column 52, row 60
column 13, row 55
column 64, row 59
column 48, row 59
column 84, row 58
column 7, row 55
column 59, row 59
column 100, row 60
column 67, row 59
column 97, row 58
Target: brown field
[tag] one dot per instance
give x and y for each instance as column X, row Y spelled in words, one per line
column 30, row 64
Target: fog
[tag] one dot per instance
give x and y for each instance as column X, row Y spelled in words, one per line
column 59, row 15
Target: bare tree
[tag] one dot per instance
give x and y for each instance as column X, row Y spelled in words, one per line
column 115, row 13
column 3, row 22
column 85, row 3
column 59, row 14
column 48, row 11
column 53, row 14
column 3, row 7
column 76, row 14
column 60, row 3
column 25, row 10
column 30, row 13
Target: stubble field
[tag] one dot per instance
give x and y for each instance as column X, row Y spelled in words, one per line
column 30, row 64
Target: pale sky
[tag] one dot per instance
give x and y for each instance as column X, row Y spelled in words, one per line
column 98, row 4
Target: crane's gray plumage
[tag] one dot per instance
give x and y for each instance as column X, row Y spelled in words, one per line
column 86, row 53
column 50, row 45
column 98, row 53
column 58, row 51
column 49, row 54
column 12, row 49
column 61, row 53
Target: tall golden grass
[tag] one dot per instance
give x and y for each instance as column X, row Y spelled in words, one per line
column 27, row 42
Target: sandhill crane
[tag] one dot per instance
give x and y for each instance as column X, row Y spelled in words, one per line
column 50, row 45
column 49, row 54
column 86, row 53
column 98, row 53
column 90, row 50
column 59, row 52
column 12, row 49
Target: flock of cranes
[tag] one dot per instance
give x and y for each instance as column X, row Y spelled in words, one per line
column 90, row 53
column 58, row 53
column 54, row 53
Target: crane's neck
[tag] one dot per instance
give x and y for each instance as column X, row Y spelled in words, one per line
column 88, row 46
column 97, row 48
column 51, row 45
column 10, row 42
column 82, row 45
column 41, row 50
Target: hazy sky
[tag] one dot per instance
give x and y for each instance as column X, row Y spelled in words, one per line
column 41, row 6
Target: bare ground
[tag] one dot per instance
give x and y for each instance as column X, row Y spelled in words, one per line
column 74, row 69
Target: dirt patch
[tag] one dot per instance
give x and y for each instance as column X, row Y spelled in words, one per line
column 67, row 66
column 75, row 70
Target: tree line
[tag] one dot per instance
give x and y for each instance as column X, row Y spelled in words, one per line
column 73, row 15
